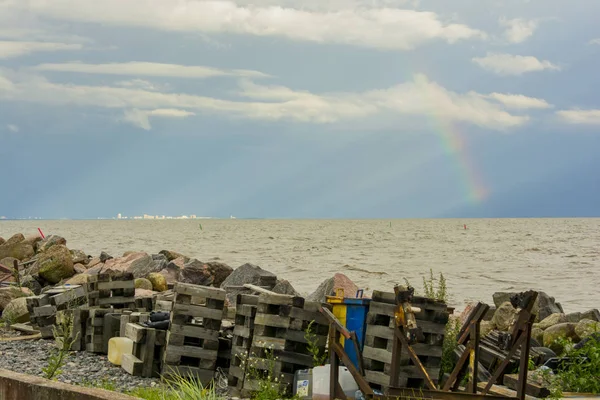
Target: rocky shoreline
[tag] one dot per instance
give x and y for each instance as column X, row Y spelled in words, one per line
column 43, row 263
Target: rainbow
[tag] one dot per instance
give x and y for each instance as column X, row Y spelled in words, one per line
column 455, row 145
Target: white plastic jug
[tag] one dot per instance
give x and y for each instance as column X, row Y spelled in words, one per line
column 320, row 383
column 118, row 346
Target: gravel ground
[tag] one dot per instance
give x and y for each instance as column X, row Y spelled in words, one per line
column 81, row 368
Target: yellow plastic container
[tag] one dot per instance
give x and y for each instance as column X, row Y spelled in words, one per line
column 118, row 346
column 339, row 308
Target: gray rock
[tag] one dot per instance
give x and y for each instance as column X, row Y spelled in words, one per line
column 504, row 317
column 592, row 314
column 50, row 241
column 587, row 327
column 171, row 272
column 30, row 281
column 79, row 257
column 104, row 257
column 15, row 247
column 574, row 317
column 565, row 330
column 247, row 273
column 543, row 306
column 284, row 287
column 551, row 320
column 9, row 293
column 16, row 311
column 172, row 255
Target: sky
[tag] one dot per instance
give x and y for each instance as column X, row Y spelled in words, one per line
column 300, row 109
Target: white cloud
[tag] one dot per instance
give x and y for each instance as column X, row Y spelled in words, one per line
column 149, row 69
column 141, row 118
column 595, row 41
column 11, row 49
column 417, row 97
column 508, row 64
column 12, row 128
column 383, row 28
column 518, row 30
column 519, row 101
column 587, row 117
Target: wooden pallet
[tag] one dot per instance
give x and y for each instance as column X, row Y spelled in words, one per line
column 377, row 352
column 102, row 325
column 193, row 338
column 112, row 290
column 243, row 332
column 278, row 343
column 43, row 308
column 148, row 348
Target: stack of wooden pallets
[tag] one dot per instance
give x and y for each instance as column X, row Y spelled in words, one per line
column 148, row 346
column 193, row 337
column 114, row 290
column 377, row 352
column 43, row 308
column 278, row 344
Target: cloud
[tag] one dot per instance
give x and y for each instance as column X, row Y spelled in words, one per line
column 382, row 28
column 149, row 69
column 508, row 64
column 12, row 49
column 518, row 30
column 576, row 116
column 141, row 118
column 12, row 128
column 416, row 97
column 595, row 41
column 519, row 101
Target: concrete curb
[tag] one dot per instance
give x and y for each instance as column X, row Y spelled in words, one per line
column 16, row 386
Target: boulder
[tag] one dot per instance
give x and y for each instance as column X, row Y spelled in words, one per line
column 551, row 320
column 587, row 327
column 538, row 335
column 329, row 286
column 143, row 283
column 592, row 314
column 80, row 279
column 9, row 293
column 104, row 257
column 55, row 264
column 93, row 262
column 139, row 264
column 486, row 327
column 465, row 313
column 127, row 253
column 159, row 283
column 16, row 238
column 574, row 317
column 565, row 330
column 160, row 259
column 247, row 273
column 33, row 240
column 171, row 272
column 79, row 257
column 32, row 284
column 8, row 262
column 16, row 311
column 16, row 247
column 2, row 241
column 219, row 271
column 79, row 268
column 144, row 293
column 543, row 306
column 50, row 241
column 172, row 255
column 197, row 273
column 284, row 287
column 505, row 316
